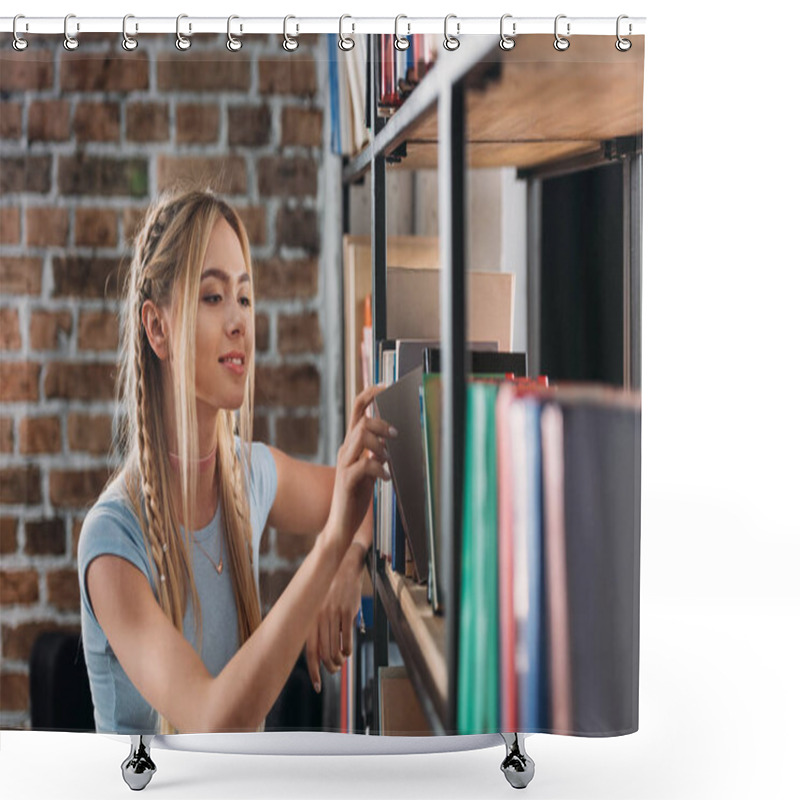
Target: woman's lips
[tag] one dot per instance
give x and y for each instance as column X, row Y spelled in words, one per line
column 236, row 368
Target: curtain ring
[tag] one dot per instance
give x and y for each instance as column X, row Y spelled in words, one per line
column 19, row 43
column 623, row 45
column 290, row 44
column 400, row 42
column 561, row 43
column 233, row 44
column 507, row 42
column 128, row 42
column 451, row 42
column 345, row 42
column 181, row 41
column 70, row 42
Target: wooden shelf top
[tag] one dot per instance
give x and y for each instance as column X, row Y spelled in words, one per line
column 534, row 105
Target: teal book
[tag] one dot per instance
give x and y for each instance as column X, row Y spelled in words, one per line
column 478, row 695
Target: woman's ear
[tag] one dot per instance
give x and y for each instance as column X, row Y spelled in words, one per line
column 155, row 326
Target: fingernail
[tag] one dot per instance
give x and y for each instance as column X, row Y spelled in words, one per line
column 317, row 687
column 392, row 431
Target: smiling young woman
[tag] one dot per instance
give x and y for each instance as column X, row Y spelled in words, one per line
column 170, row 612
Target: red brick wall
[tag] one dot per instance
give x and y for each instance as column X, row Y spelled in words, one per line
column 87, row 139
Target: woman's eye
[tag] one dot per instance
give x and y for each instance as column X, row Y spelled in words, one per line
column 212, row 298
column 245, row 301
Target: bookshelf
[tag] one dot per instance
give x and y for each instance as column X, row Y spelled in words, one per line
column 482, row 107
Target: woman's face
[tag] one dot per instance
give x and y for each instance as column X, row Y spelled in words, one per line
column 225, row 336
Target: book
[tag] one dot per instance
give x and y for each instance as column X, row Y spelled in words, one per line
column 478, row 665
column 399, row 406
column 413, row 313
column 431, row 401
column 333, row 91
column 508, row 549
column 401, row 712
column 357, row 269
column 531, row 650
column 552, row 431
column 481, row 361
column 601, row 512
column 412, row 353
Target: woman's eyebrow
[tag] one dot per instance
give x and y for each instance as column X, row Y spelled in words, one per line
column 223, row 276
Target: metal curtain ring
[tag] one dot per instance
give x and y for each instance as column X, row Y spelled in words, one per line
column 70, row 42
column 507, row 42
column 181, row 41
column 561, row 43
column 345, row 42
column 19, row 43
column 400, row 42
column 623, row 45
column 128, row 42
column 233, row 44
column 451, row 42
column 290, row 44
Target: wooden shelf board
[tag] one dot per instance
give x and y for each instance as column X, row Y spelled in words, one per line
column 420, row 635
column 533, row 104
column 482, row 155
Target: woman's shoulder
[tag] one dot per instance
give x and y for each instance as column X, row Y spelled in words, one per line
column 263, row 476
column 111, row 525
column 261, row 457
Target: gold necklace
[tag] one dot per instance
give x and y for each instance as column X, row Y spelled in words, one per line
column 218, row 565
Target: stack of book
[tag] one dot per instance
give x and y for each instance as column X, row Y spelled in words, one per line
column 398, row 72
column 548, row 608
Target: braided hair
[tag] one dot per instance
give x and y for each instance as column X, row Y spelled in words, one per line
column 168, row 255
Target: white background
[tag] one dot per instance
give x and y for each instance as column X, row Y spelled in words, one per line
column 720, row 551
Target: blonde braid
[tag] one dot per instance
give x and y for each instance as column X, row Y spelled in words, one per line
column 154, row 529
column 242, row 511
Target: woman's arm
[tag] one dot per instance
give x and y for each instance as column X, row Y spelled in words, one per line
column 303, row 496
column 170, row 674
column 162, row 664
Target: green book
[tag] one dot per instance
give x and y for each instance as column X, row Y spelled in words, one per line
column 478, row 693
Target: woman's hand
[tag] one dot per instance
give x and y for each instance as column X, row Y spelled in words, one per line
column 331, row 638
column 360, row 462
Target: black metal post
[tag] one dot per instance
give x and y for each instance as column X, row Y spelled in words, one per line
column 379, row 326
column 633, row 267
column 534, row 299
column 453, row 246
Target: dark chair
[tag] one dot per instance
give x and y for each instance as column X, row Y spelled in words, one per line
column 59, row 684
column 61, row 699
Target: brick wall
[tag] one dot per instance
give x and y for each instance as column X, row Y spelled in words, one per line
column 86, row 140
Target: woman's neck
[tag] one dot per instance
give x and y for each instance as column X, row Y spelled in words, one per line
column 202, row 464
column 206, row 497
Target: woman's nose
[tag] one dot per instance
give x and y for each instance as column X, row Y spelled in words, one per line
column 237, row 320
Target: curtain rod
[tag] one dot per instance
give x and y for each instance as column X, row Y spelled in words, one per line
column 346, row 25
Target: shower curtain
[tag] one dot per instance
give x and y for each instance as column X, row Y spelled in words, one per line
column 545, row 591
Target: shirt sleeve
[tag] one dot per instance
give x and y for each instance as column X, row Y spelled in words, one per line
column 265, row 483
column 110, row 530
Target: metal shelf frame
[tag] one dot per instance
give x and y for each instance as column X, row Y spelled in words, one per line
column 444, row 89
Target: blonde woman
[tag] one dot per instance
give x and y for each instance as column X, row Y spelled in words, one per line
column 170, row 612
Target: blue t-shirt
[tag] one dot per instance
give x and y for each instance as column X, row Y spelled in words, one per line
column 111, row 527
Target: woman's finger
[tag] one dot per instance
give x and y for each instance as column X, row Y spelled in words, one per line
column 312, row 660
column 362, row 401
column 328, row 645
column 361, row 439
column 334, row 643
column 369, row 467
column 380, row 427
column 347, row 639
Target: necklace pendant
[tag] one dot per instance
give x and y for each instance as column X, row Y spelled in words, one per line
column 218, row 567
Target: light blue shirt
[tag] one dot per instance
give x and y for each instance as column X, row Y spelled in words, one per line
column 111, row 527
